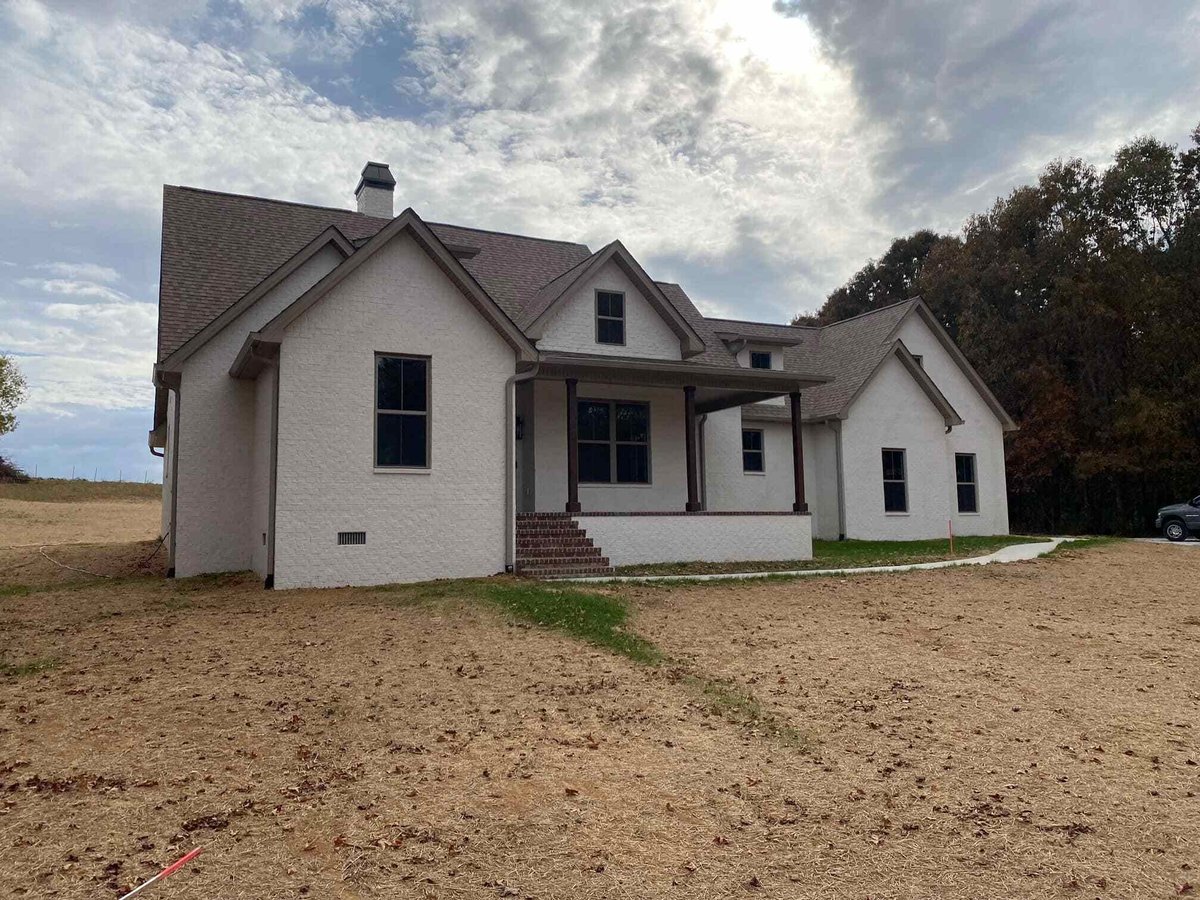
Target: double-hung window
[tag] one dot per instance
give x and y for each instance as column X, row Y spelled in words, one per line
column 752, row 451
column 614, row 442
column 895, row 482
column 760, row 359
column 402, row 412
column 610, row 317
column 967, row 483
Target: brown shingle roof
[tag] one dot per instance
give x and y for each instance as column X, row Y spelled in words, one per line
column 216, row 247
column 848, row 350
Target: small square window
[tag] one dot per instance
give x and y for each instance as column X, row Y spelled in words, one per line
column 760, row 359
column 753, row 459
column 610, row 317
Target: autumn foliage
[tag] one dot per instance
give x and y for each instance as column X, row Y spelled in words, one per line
column 1078, row 300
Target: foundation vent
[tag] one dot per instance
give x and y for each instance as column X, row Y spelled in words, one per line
column 351, row 537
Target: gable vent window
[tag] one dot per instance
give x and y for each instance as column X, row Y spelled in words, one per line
column 351, row 537
column 760, row 359
column 402, row 412
column 610, row 317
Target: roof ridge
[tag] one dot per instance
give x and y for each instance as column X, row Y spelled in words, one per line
column 768, row 324
column 568, row 270
column 354, row 212
column 525, row 237
column 337, row 209
column 871, row 312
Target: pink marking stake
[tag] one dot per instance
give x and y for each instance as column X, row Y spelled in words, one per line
column 169, row 870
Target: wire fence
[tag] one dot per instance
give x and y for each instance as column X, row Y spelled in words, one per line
column 138, row 475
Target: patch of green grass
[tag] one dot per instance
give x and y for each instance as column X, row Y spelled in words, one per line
column 599, row 619
column 730, row 702
column 32, row 667
column 77, row 490
column 1084, row 543
column 844, row 555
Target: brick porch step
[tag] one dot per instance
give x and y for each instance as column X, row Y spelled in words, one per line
column 552, row 545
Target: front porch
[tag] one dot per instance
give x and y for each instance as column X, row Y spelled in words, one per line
column 610, row 466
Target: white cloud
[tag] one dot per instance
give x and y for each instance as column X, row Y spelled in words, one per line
column 81, row 271
column 73, row 288
column 96, row 353
column 654, row 121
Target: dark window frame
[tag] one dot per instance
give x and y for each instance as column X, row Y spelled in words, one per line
column 622, row 319
column 761, row 452
column 612, row 443
column 973, row 484
column 427, row 413
column 902, row 480
column 760, row 354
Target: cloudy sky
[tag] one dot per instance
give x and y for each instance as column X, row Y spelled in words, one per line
column 757, row 152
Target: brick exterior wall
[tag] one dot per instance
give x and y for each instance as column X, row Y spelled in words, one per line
column 216, row 531
column 632, row 540
column 446, row 522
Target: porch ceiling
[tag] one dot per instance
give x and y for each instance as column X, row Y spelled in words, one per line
column 716, row 388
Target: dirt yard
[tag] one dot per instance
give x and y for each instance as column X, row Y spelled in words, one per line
column 1027, row 730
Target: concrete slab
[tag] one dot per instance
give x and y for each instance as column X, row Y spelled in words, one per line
column 1014, row 553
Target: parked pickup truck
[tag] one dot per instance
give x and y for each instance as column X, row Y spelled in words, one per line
column 1178, row 521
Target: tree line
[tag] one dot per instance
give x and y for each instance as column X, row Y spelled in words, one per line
column 1078, row 300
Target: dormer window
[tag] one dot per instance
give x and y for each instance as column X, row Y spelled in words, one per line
column 760, row 359
column 610, row 317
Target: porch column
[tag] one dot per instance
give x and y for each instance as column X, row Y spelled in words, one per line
column 797, row 454
column 572, row 446
column 689, row 427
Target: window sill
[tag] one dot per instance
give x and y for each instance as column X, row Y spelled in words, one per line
column 400, row 470
column 759, row 474
column 970, row 514
column 896, row 513
column 585, row 485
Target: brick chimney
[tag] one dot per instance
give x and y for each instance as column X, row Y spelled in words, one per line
column 375, row 189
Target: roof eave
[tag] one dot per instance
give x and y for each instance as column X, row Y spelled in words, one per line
column 922, row 309
column 408, row 221
column 330, row 236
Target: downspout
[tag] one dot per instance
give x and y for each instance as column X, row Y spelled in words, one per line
column 174, row 448
column 835, row 426
column 510, row 473
column 703, row 464
column 269, row 582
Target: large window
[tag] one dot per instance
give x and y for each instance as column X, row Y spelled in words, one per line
column 752, row 451
column 895, row 482
column 968, row 486
column 614, row 442
column 402, row 412
column 610, row 317
column 760, row 359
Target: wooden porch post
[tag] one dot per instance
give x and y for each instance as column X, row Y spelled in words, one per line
column 689, row 426
column 797, row 454
column 572, row 447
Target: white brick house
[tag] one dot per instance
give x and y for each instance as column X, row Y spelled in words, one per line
column 345, row 397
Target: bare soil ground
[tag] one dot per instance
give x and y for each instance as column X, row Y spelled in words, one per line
column 32, row 522
column 1027, row 730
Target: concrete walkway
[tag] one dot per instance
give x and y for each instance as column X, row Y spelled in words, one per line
column 1013, row 553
